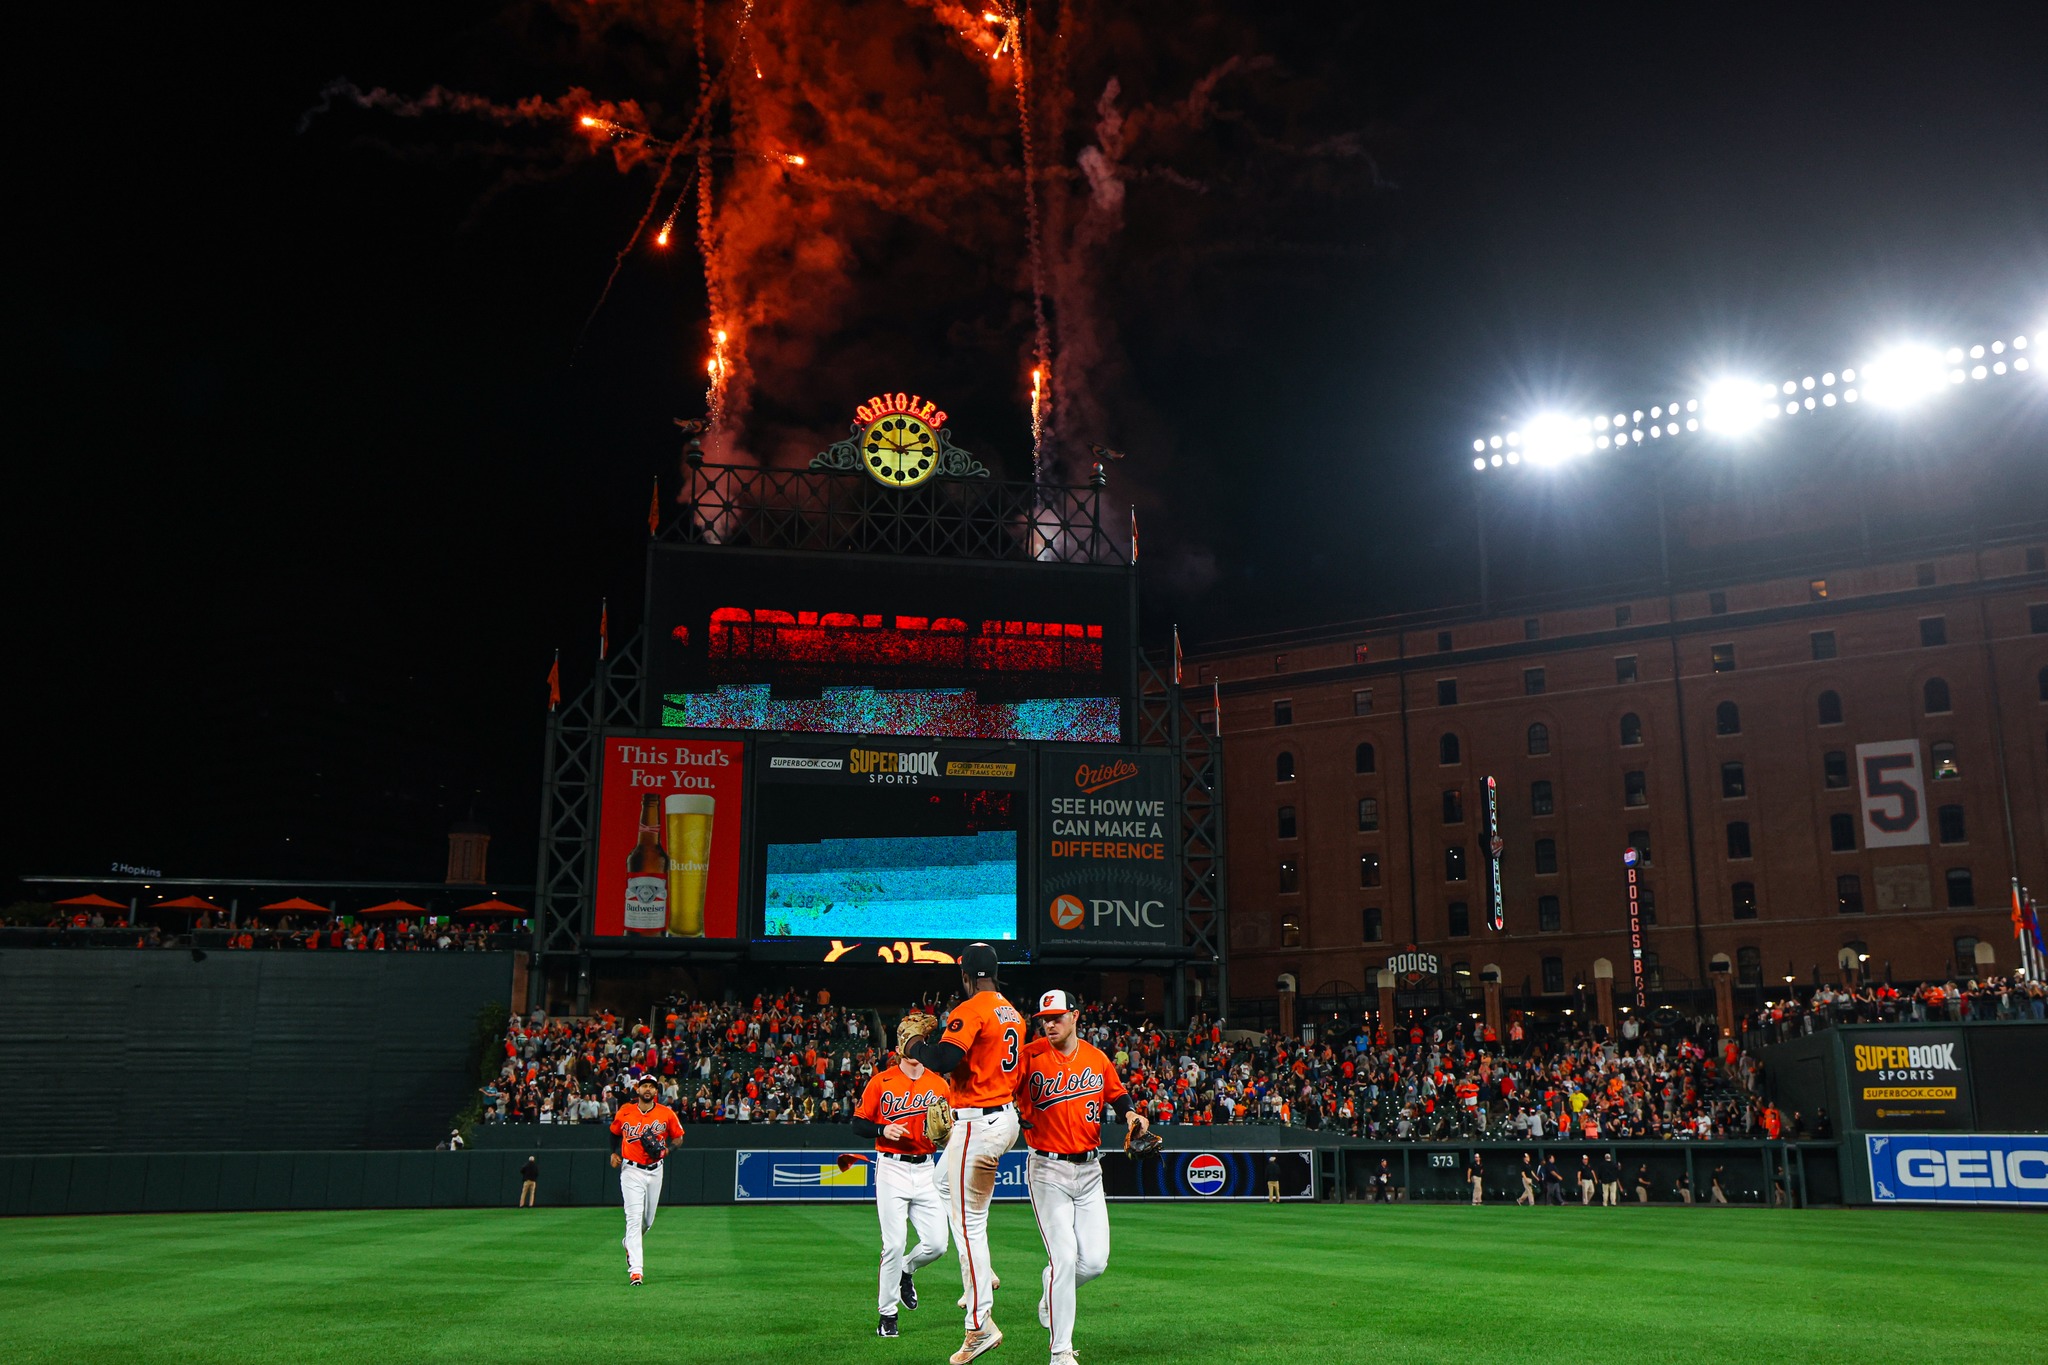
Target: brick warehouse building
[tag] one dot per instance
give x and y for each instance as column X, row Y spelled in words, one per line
column 1716, row 730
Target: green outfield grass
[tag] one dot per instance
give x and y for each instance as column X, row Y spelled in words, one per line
column 795, row 1286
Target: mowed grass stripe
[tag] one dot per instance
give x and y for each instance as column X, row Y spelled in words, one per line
column 795, row 1285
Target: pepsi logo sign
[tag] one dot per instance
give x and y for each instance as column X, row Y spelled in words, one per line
column 1206, row 1174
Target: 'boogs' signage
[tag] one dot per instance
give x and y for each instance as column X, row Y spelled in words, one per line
column 1109, row 864
column 1908, row 1078
column 1411, row 965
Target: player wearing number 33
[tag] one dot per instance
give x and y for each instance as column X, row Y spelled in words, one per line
column 1065, row 1085
column 978, row 1051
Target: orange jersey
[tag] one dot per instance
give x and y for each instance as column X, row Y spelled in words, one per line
column 990, row 1031
column 631, row 1121
column 892, row 1097
column 1063, row 1098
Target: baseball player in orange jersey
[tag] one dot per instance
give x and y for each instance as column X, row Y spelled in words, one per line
column 645, row 1127
column 978, row 1051
column 1064, row 1085
column 891, row 1115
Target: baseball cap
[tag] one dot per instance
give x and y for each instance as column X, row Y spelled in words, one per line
column 1054, row 1002
column 646, row 1078
column 979, row 959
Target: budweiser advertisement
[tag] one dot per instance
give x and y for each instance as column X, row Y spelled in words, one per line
column 668, row 840
column 1109, row 850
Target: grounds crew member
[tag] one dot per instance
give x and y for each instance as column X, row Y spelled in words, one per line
column 891, row 1114
column 1063, row 1086
column 645, row 1128
column 978, row 1052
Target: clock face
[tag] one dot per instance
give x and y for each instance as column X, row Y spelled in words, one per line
column 899, row 451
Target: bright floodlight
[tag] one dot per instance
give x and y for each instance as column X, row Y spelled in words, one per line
column 1735, row 406
column 1905, row 375
column 1550, row 437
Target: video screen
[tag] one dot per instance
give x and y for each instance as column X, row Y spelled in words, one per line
column 891, row 863
column 832, row 644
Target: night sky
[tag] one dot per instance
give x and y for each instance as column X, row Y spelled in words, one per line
column 308, row 488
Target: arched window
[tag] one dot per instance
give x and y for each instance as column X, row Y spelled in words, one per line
column 1364, row 760
column 1849, row 894
column 1631, row 730
column 1454, row 806
column 1962, row 893
column 1287, row 823
column 1830, row 708
column 1368, row 813
column 1727, row 719
column 1935, row 696
column 1283, row 767
column 1834, row 768
column 1749, row 967
column 1290, row 932
column 1448, row 751
column 1546, row 857
column 1539, row 738
column 1542, row 800
column 1738, row 839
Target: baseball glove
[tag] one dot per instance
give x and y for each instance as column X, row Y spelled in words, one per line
column 1146, row 1143
column 913, row 1027
column 655, row 1145
column 938, row 1121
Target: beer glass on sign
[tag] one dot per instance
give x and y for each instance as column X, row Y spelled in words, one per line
column 647, row 873
column 689, row 862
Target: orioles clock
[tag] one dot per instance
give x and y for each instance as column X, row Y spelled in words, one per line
column 899, row 450
column 901, row 440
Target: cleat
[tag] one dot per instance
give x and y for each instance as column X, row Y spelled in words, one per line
column 1066, row 1358
column 633, row 1278
column 907, row 1292
column 987, row 1339
column 887, row 1326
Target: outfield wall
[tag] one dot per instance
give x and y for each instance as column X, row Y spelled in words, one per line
column 148, row 1050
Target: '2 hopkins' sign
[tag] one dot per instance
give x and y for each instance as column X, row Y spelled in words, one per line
column 1109, row 849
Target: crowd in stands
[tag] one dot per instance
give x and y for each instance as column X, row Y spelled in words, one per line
column 786, row 1059
column 302, row 932
column 1989, row 998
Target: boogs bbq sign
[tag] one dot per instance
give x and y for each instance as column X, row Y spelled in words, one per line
column 1109, row 850
column 1411, row 967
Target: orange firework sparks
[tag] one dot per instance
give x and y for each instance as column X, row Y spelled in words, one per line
column 1038, row 403
column 719, row 370
column 661, row 237
column 792, row 158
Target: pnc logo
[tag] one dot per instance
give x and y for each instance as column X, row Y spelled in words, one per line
column 1206, row 1173
column 1068, row 912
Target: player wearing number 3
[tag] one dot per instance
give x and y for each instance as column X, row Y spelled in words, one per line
column 978, row 1051
column 1064, row 1086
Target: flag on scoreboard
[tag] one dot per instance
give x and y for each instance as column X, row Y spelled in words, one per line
column 604, row 627
column 1176, row 656
column 555, row 682
column 654, row 509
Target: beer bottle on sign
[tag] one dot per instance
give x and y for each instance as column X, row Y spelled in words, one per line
column 647, row 874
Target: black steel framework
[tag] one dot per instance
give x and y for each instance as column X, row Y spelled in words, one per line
column 570, row 776
column 1166, row 721
column 950, row 518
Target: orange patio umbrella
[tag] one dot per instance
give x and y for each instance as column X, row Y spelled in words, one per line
column 494, row 906
column 90, row 902
column 194, row 903
column 394, row 908
column 297, row 905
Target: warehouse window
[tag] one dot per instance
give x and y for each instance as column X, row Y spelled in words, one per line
column 1648, row 900
column 1738, row 839
column 1639, row 840
column 1290, row 932
column 1817, row 589
column 1549, row 915
column 1290, row 878
column 1962, row 894
column 1363, row 759
column 1727, row 719
column 1287, row 830
column 1842, row 833
column 1834, row 769
column 1546, row 857
column 2037, row 617
column 1279, row 663
column 1849, row 894
column 1446, row 691
column 1742, row 897
column 1361, row 702
column 1829, row 708
column 1823, row 644
column 1625, row 669
column 1553, row 976
column 1950, row 820
column 1724, row 658
column 1532, row 682
column 1717, row 603
column 1454, row 807
column 1447, row 751
column 1454, row 863
column 1635, row 788
column 1443, row 642
column 1732, row 784
column 1653, row 975
column 1933, row 631
column 1368, row 813
column 1283, row 713
column 1368, row 869
column 1622, row 615
column 1966, row 953
column 1539, row 739
column 1460, row 920
column 1631, row 730
column 1749, row 967
column 1542, row 801
column 1934, row 696
column 1283, row 767
column 1946, row 769
column 1371, row 930
column 1532, row 628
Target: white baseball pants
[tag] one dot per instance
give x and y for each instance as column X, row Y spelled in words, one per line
column 1073, row 1222
column 642, row 1191
column 966, row 1180
column 903, row 1190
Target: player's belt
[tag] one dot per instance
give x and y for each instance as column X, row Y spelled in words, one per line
column 960, row 1113
column 910, row 1158
column 1078, row 1158
column 645, row 1165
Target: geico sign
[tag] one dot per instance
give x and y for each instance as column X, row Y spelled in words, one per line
column 1960, row 1168
column 1132, row 914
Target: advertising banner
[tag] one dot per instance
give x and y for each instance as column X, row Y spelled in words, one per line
column 1983, row 1168
column 890, row 850
column 836, row 1175
column 1908, row 1078
column 1208, row 1175
column 1894, row 796
column 1109, row 866
column 668, row 838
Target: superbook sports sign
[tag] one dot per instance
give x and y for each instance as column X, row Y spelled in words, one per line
column 1909, row 1078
